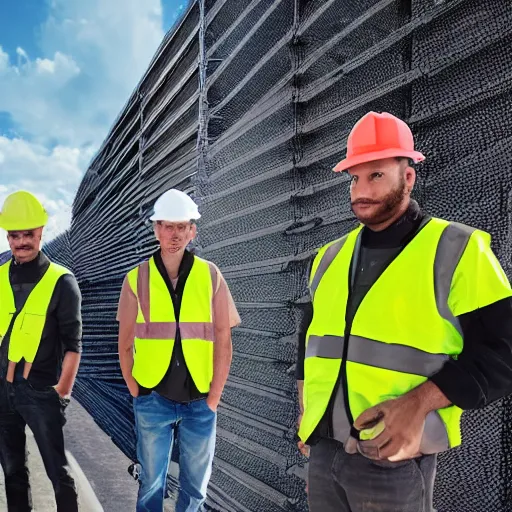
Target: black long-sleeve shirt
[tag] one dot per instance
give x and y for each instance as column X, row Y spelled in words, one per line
column 482, row 373
column 63, row 328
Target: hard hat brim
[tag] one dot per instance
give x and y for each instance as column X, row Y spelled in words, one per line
column 155, row 218
column 13, row 225
column 347, row 163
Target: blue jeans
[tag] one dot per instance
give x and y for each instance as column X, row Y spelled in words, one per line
column 155, row 420
column 339, row 482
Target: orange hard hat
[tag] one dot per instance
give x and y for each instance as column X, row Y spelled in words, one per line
column 376, row 136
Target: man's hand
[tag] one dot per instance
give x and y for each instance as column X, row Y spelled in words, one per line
column 133, row 387
column 303, row 448
column 212, row 401
column 67, row 377
column 63, row 393
column 403, row 419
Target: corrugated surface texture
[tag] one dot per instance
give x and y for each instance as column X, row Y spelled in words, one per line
column 248, row 104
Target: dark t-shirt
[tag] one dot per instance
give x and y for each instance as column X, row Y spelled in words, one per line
column 63, row 328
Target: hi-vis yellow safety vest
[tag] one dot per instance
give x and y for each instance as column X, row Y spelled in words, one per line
column 155, row 329
column 405, row 328
column 27, row 329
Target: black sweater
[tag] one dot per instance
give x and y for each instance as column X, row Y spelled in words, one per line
column 483, row 371
column 63, row 329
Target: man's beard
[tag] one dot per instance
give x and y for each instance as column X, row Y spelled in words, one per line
column 385, row 208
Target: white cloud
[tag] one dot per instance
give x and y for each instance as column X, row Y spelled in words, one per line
column 33, row 165
column 46, row 65
column 4, row 60
column 53, row 175
column 63, row 101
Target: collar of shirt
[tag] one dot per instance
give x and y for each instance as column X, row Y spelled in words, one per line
column 185, row 265
column 29, row 272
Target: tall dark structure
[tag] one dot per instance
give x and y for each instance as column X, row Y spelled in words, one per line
column 247, row 104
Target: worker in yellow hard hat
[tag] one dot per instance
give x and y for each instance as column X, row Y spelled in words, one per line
column 22, row 212
column 409, row 324
column 175, row 318
column 40, row 330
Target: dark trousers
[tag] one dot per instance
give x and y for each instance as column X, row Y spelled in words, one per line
column 43, row 411
column 339, row 482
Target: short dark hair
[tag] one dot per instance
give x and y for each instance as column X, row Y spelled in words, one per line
column 191, row 221
column 400, row 159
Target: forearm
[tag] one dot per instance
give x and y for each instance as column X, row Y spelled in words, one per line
column 429, row 397
column 70, row 366
column 222, row 355
column 126, row 359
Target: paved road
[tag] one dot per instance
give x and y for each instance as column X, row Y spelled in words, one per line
column 99, row 467
column 42, row 492
column 102, row 463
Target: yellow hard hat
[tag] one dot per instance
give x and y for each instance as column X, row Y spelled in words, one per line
column 20, row 211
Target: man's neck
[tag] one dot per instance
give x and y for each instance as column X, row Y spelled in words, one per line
column 172, row 262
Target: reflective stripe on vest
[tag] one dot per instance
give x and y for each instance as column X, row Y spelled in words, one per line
column 400, row 355
column 399, row 358
column 155, row 328
column 27, row 330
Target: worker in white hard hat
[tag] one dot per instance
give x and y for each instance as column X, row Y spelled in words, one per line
column 40, row 332
column 175, row 317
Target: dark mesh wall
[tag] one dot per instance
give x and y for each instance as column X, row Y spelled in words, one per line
column 248, row 104
column 151, row 147
column 286, row 83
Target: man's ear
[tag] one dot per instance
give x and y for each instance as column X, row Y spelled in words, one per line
column 410, row 178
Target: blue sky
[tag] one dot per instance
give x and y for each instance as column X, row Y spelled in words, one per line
column 67, row 67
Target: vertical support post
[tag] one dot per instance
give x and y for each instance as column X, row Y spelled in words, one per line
column 201, row 176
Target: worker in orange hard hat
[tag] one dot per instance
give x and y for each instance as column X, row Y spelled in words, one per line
column 409, row 324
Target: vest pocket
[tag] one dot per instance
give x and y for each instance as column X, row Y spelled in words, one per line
column 33, row 324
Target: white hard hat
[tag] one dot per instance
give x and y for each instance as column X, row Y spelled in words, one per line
column 175, row 206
